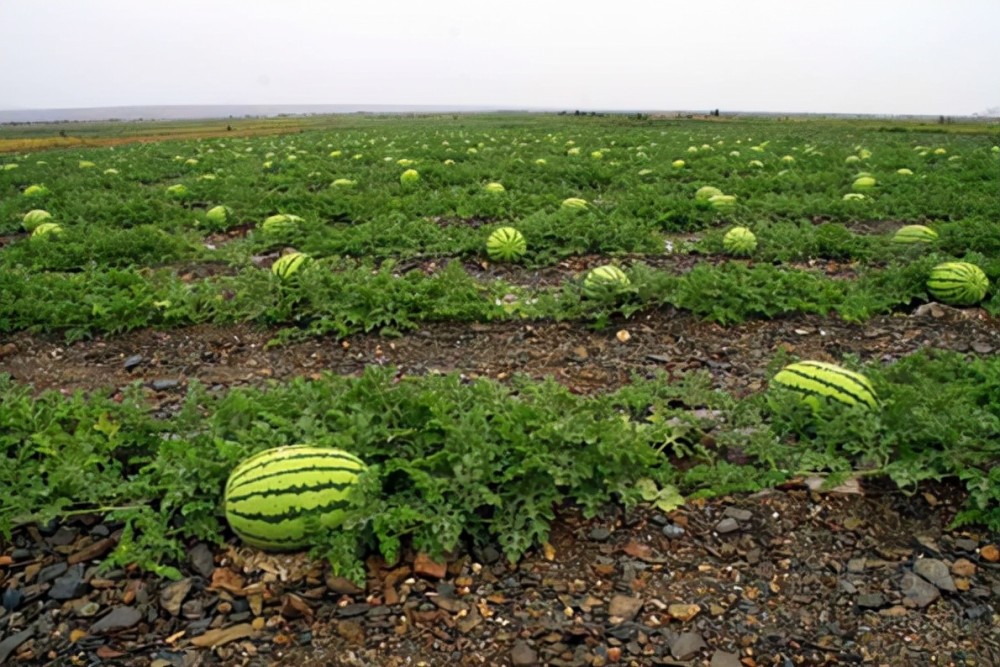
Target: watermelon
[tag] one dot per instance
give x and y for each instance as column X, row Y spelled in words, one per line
column 34, row 218
column 46, row 229
column 739, row 241
column 706, row 192
column 506, row 244
column 279, row 498
column 575, row 203
column 280, row 223
column 604, row 279
column 817, row 381
column 958, row 283
column 218, row 215
column 914, row 234
column 286, row 265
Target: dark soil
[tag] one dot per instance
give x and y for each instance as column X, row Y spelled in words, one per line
column 861, row 575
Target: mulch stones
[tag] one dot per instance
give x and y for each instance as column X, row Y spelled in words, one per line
column 782, row 577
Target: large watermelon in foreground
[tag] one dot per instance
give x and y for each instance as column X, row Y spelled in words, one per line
column 817, row 381
column 280, row 498
column 958, row 283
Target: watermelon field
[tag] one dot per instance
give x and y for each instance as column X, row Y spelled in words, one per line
column 576, row 390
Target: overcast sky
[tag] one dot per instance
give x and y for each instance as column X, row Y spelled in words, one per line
column 864, row 56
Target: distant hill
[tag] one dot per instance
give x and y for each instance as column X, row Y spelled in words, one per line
column 190, row 112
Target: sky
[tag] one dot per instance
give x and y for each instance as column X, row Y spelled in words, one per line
column 837, row 56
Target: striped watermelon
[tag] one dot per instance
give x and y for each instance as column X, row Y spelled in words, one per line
column 817, row 381
column 958, row 283
column 914, row 234
column 739, row 241
column 34, row 218
column 279, row 498
column 280, row 223
column 506, row 244
column 46, row 229
column 604, row 279
column 286, row 265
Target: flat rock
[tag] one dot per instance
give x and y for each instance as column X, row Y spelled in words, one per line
column 738, row 514
column 725, row 659
column 599, row 534
column 425, row 566
column 683, row 612
column 727, row 525
column 624, row 606
column 522, row 655
column 70, row 585
column 223, row 635
column 686, row 646
column 133, row 361
column 162, row 384
column 172, row 596
column 201, row 560
column 10, row 644
column 917, row 590
column 871, row 600
column 936, row 572
column 119, row 618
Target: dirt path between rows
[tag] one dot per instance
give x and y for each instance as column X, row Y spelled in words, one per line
column 584, row 359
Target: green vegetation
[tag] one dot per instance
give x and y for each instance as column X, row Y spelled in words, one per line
column 449, row 460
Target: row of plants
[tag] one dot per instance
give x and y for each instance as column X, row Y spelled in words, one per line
column 452, row 462
column 803, row 172
column 341, row 297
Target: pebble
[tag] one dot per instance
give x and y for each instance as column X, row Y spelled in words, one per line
column 10, row 644
column 487, row 555
column 133, row 361
column 727, row 525
column 738, row 514
column 424, row 565
column 118, row 619
column 871, row 600
column 163, row 384
column 624, row 606
column 172, row 596
column 522, row 655
column 856, row 565
column 725, row 659
column 599, row 534
column 686, row 645
column 12, row 598
column 917, row 590
column 683, row 612
column 70, row 585
column 965, row 544
column 356, row 609
column 990, row 553
column 673, row 531
column 963, row 567
column 201, row 560
column 51, row 572
column 936, row 573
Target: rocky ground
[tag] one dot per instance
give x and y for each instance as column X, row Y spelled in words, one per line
column 862, row 575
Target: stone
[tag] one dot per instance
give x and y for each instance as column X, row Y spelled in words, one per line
column 727, row 525
column 342, row 585
column 201, row 560
column 686, row 646
column 673, row 531
column 990, row 553
column 70, row 585
column 683, row 612
column 624, row 607
column 599, row 534
column 871, row 600
column 917, row 590
column 356, row 609
column 963, row 567
column 738, row 514
column 725, row 659
column 119, row 618
column 172, row 596
column 936, row 572
column 522, row 655
column 162, row 384
column 10, row 644
column 425, row 566
column 133, row 361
